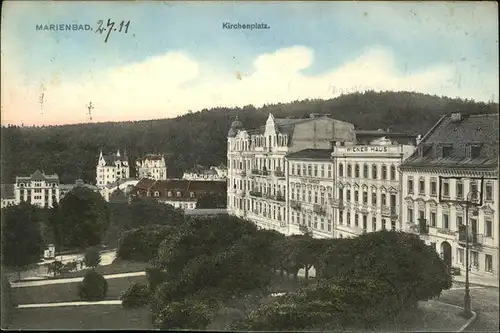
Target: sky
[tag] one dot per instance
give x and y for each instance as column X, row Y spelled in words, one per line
column 176, row 57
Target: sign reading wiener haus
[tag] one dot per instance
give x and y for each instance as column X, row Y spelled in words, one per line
column 367, row 149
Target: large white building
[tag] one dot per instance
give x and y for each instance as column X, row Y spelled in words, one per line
column 111, row 168
column 38, row 189
column 309, row 200
column 152, row 166
column 257, row 169
column 366, row 186
column 465, row 147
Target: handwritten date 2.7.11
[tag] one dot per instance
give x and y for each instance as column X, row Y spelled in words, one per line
column 110, row 27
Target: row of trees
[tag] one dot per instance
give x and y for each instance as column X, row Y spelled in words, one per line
column 208, row 264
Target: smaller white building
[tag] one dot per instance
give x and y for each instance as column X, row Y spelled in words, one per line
column 152, row 166
column 111, row 168
column 201, row 173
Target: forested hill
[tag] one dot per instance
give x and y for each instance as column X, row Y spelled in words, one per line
column 71, row 151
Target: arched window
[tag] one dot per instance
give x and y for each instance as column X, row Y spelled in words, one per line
column 384, row 172
column 393, row 172
column 341, row 170
column 349, row 170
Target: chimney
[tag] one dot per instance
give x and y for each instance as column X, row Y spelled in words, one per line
column 456, row 117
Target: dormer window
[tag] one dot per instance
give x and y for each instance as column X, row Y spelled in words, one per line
column 178, row 194
column 157, row 194
column 169, row 193
column 446, row 150
column 473, row 150
column 192, row 194
column 424, row 149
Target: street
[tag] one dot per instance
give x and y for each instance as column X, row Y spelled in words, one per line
column 484, row 303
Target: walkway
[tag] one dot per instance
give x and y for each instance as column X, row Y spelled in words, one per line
column 53, row 305
column 70, row 280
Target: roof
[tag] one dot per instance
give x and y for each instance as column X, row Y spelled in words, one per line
column 479, row 129
column 181, row 185
column 313, row 154
column 151, row 157
column 110, row 159
column 38, row 176
column 8, row 191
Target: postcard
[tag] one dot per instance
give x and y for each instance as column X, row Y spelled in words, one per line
column 250, row 165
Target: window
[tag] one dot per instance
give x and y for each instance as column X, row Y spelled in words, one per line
column 384, row 172
column 384, row 199
column 365, row 222
column 459, row 189
column 410, row 215
column 349, row 170
column 341, row 170
column 293, row 168
column 348, row 195
column 374, row 224
column 169, row 193
column 393, row 225
column 341, row 195
column 460, row 221
column 489, row 192
column 365, row 171
column 322, row 171
column 341, row 217
column 178, row 194
column 384, row 224
column 488, row 263
column 365, row 197
column 315, row 170
column 393, row 172
column 356, row 217
column 374, row 198
column 374, row 172
column 475, row 259
column 446, row 189
column 410, row 185
column 356, row 196
column 309, row 170
column 474, row 191
column 421, row 215
column 460, row 255
column 473, row 151
column 356, row 171
column 488, row 228
column 348, row 218
column 446, row 150
column 433, row 219
column 446, row 221
column 421, row 186
column 433, row 187
column 329, row 171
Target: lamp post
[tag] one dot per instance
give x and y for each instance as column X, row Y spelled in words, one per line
column 468, row 202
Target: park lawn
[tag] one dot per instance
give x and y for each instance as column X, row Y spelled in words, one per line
column 88, row 317
column 68, row 292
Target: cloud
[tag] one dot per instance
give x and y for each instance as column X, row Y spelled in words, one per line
column 169, row 85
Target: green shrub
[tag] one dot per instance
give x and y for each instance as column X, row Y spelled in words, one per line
column 135, row 296
column 93, row 288
column 155, row 277
column 188, row 313
column 142, row 244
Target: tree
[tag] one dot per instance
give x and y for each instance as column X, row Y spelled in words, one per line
column 92, row 258
column 414, row 270
column 215, row 258
column 22, row 242
column 145, row 211
column 212, row 200
column 81, row 219
column 142, row 244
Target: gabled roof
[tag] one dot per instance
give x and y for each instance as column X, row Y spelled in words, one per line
column 110, row 159
column 8, row 191
column 479, row 129
column 311, row 154
column 38, row 176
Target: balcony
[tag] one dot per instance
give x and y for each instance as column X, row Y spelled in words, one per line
column 241, row 172
column 389, row 212
column 255, row 172
column 474, row 239
column 337, row 203
column 256, row 194
column 295, row 204
column 318, row 209
column 279, row 173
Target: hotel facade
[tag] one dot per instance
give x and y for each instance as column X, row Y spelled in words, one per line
column 366, row 186
column 437, row 206
column 258, row 187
